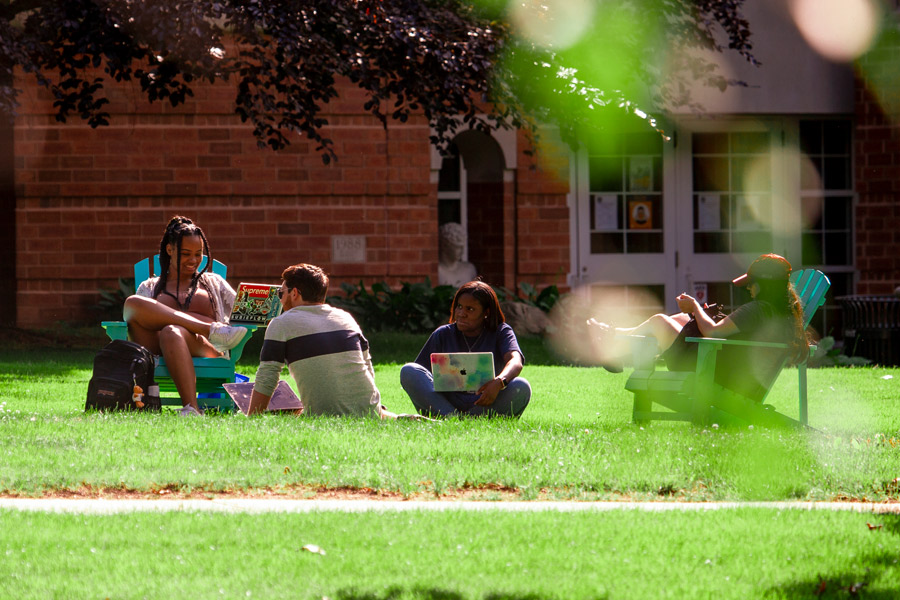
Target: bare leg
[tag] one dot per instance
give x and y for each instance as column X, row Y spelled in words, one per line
column 176, row 335
column 665, row 328
column 612, row 348
column 178, row 346
column 146, row 317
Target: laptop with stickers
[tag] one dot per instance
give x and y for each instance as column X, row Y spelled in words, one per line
column 256, row 303
column 461, row 371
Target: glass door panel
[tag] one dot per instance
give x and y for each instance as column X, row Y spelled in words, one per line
column 727, row 183
column 624, row 211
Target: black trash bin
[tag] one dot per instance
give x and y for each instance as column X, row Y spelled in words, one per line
column 872, row 328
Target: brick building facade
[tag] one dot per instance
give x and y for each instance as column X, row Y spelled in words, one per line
column 89, row 202
column 877, row 174
column 82, row 205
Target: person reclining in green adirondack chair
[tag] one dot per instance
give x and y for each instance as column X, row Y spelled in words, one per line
column 774, row 314
column 182, row 313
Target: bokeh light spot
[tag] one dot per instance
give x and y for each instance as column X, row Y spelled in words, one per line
column 554, row 24
column 577, row 343
column 839, row 30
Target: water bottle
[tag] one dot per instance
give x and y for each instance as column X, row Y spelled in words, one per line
column 152, row 398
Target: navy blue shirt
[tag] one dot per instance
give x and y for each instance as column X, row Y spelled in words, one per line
column 448, row 338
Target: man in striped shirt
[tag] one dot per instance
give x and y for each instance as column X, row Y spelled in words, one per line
column 324, row 349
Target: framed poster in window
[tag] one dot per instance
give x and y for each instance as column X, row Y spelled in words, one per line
column 640, row 214
column 640, row 173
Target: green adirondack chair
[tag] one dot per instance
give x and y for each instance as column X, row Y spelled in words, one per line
column 211, row 372
column 696, row 397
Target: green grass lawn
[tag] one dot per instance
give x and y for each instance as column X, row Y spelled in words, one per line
column 574, row 441
column 454, row 555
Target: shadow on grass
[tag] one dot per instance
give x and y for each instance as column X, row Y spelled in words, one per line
column 56, row 351
column 845, row 584
column 878, row 567
column 46, row 363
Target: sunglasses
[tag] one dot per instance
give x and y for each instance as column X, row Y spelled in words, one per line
column 281, row 293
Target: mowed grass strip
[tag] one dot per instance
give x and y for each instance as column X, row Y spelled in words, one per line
column 732, row 553
column 574, row 441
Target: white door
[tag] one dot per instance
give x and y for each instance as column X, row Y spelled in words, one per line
column 731, row 204
column 625, row 217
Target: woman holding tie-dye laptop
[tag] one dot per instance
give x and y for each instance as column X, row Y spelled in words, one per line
column 476, row 325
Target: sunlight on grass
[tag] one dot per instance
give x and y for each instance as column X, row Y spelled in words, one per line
column 575, row 440
column 746, row 553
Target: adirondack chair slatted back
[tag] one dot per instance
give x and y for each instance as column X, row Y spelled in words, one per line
column 142, row 269
column 811, row 286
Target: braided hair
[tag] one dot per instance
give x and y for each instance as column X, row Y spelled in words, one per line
column 176, row 230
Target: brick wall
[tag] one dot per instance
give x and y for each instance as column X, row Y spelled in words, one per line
column 486, row 229
column 542, row 212
column 8, row 244
column 91, row 202
column 877, row 163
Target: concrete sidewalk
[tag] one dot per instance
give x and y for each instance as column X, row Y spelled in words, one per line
column 255, row 506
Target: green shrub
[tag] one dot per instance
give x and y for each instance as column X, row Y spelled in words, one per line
column 544, row 300
column 420, row 307
column 826, row 355
column 112, row 301
column 415, row 307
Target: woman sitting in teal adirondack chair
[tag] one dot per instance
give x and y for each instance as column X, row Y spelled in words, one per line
column 182, row 313
column 773, row 315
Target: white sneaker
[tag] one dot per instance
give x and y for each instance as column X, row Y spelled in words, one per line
column 225, row 337
column 190, row 411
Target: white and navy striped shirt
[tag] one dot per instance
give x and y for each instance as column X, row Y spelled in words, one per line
column 327, row 356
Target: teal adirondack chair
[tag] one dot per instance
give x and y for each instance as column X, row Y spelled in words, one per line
column 211, row 372
column 696, row 397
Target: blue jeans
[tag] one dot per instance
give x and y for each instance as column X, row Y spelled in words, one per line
column 419, row 384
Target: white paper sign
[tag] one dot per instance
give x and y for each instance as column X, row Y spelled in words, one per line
column 709, row 212
column 701, row 292
column 606, row 213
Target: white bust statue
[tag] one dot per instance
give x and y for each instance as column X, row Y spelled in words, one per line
column 452, row 269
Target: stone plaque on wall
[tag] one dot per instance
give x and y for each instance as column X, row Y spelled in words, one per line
column 348, row 248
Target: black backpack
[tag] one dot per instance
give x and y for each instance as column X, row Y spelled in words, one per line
column 118, row 368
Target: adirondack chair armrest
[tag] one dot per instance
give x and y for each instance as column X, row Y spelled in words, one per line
column 728, row 342
column 708, row 352
column 237, row 351
column 116, row 330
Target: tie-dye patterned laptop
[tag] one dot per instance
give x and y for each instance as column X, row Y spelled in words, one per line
column 461, row 371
